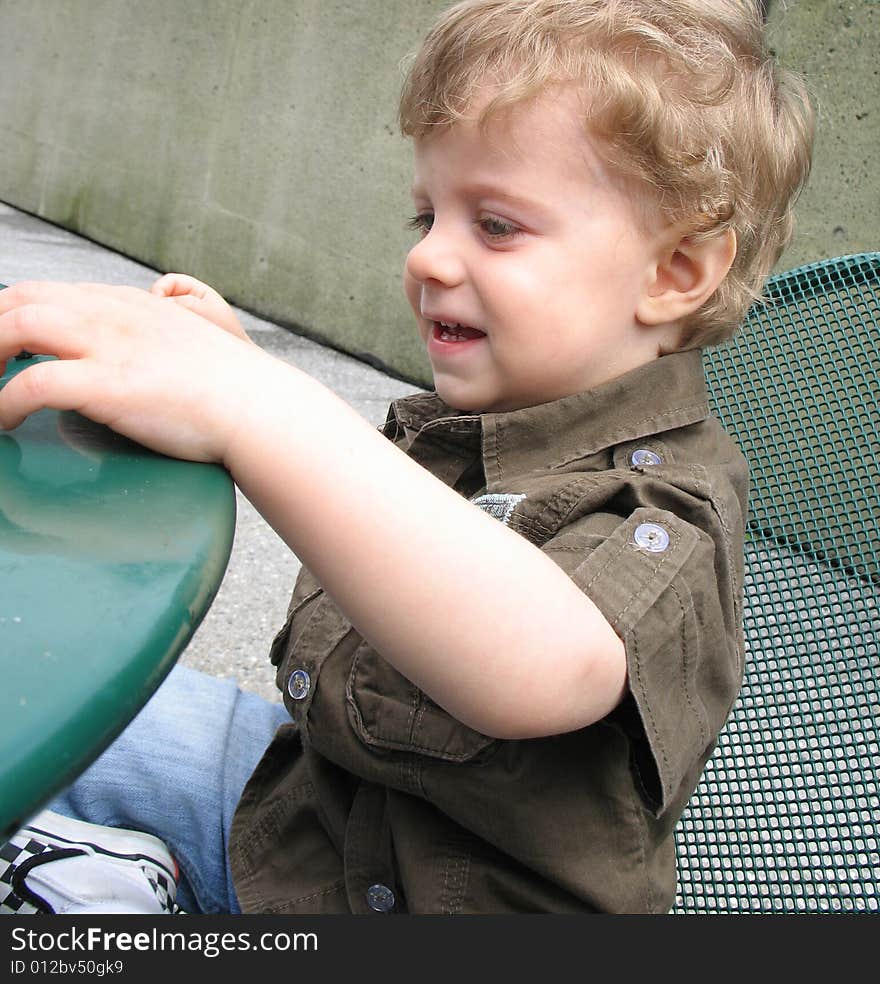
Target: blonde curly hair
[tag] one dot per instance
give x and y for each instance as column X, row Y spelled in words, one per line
column 683, row 96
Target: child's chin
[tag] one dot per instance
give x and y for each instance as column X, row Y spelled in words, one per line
column 458, row 397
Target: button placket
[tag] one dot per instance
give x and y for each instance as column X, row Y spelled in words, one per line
column 325, row 628
column 300, row 690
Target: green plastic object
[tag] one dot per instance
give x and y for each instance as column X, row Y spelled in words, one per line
column 110, row 556
column 785, row 819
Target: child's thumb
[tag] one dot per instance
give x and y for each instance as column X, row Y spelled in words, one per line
column 163, row 286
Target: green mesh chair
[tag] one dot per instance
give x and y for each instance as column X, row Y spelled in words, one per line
column 785, row 819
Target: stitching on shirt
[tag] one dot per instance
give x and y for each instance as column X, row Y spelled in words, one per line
column 534, row 525
column 283, row 906
column 416, row 714
column 637, row 809
column 641, row 834
column 684, row 667
column 455, row 875
column 468, row 428
column 431, row 750
column 626, row 433
column 723, row 518
column 601, row 571
column 705, row 487
column 371, row 736
column 312, row 625
column 411, row 777
column 268, row 824
column 654, row 574
column 462, row 425
column 496, row 456
column 587, row 483
column 654, row 732
column 415, row 718
column 635, row 597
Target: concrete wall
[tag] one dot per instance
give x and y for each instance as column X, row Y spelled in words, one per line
column 253, row 144
column 835, row 44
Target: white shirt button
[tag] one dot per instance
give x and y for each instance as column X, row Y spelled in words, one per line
column 651, row 537
column 643, row 456
column 298, row 684
column 380, row 898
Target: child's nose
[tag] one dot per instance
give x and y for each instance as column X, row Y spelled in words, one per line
column 435, row 258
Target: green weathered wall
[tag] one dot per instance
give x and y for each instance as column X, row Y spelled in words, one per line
column 253, row 143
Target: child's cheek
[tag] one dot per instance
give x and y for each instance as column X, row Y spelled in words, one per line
column 413, row 292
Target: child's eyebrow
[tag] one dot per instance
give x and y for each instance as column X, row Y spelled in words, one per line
column 486, row 189
column 529, row 210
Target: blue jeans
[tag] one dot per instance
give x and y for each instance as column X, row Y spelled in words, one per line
column 177, row 771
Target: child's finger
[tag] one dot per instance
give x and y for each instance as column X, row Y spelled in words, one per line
column 157, row 287
column 84, row 298
column 44, row 329
column 68, row 319
column 215, row 310
column 197, row 304
column 58, row 385
column 28, row 292
column 122, row 292
column 178, row 284
column 166, row 286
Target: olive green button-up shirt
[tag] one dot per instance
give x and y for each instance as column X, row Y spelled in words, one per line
column 374, row 799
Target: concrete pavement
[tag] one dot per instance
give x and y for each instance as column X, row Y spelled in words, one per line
column 234, row 638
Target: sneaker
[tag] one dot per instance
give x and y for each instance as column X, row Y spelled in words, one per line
column 59, row 866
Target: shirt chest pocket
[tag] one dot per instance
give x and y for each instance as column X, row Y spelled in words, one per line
column 388, row 711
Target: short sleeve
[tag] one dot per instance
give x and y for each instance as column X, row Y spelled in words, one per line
column 653, row 577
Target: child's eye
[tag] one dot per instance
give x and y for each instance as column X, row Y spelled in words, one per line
column 497, row 229
column 422, row 222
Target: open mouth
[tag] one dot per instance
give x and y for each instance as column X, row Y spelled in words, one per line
column 451, row 331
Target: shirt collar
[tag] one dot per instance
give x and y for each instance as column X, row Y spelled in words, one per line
column 663, row 394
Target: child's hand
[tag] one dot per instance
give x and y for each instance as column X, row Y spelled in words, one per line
column 199, row 298
column 151, row 370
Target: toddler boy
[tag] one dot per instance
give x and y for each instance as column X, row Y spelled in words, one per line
column 517, row 632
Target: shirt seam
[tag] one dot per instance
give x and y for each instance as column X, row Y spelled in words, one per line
column 639, row 591
column 639, row 812
column 454, row 889
column 720, row 511
column 684, row 651
column 283, row 906
column 654, row 731
column 626, row 434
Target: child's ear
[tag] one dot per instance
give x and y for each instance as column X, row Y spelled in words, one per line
column 686, row 276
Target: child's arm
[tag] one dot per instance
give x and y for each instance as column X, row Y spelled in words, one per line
column 470, row 611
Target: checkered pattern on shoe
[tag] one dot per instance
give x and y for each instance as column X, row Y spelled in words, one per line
column 164, row 887
column 13, row 854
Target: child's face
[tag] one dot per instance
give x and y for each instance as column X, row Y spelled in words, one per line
column 537, row 256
